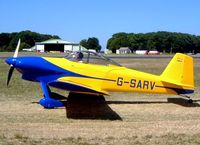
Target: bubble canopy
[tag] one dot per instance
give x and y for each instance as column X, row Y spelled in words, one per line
column 90, row 57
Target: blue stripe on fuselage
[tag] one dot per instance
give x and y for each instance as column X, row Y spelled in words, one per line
column 177, row 90
column 39, row 65
column 38, row 69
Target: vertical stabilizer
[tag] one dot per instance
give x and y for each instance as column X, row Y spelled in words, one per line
column 180, row 71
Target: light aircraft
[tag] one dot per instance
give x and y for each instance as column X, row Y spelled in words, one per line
column 91, row 73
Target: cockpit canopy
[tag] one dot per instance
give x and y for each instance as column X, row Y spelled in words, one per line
column 90, row 58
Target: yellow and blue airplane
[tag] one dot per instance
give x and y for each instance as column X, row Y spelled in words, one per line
column 90, row 73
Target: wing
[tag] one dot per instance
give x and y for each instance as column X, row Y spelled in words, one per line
column 79, row 84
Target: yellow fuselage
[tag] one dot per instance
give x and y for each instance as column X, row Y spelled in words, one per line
column 114, row 78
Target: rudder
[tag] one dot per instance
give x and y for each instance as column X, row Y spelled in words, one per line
column 180, row 71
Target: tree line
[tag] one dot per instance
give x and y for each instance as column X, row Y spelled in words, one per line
column 168, row 42
column 8, row 41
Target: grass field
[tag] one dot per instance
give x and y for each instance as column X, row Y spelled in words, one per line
column 122, row 119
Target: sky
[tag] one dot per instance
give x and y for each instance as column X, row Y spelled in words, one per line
column 74, row 20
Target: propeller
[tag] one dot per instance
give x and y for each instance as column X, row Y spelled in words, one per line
column 11, row 66
column 10, row 74
column 17, row 49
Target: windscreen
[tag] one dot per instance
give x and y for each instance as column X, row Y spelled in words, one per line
column 90, row 58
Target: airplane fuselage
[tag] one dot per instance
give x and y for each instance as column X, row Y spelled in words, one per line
column 98, row 79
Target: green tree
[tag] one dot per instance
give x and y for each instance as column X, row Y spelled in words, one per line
column 91, row 43
column 8, row 41
column 84, row 43
column 118, row 40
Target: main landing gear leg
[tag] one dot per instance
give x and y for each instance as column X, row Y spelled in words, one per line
column 47, row 101
column 190, row 101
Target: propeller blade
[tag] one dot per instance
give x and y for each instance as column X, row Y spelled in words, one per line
column 10, row 74
column 11, row 66
column 17, row 49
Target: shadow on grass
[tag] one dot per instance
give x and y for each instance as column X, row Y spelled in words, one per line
column 84, row 106
column 178, row 101
column 183, row 102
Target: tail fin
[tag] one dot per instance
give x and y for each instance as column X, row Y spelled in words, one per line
column 180, row 71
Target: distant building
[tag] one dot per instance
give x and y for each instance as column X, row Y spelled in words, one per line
column 146, row 52
column 141, row 52
column 123, row 50
column 92, row 50
column 107, row 51
column 55, row 45
column 154, row 52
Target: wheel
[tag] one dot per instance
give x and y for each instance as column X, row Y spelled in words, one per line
column 190, row 101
